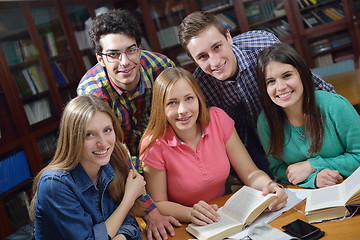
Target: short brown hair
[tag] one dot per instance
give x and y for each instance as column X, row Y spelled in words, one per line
column 195, row 23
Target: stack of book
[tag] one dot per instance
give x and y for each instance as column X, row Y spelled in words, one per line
column 227, row 21
column 14, row 169
column 38, row 110
column 168, row 37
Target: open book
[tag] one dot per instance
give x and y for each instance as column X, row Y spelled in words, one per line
column 240, row 210
column 330, row 202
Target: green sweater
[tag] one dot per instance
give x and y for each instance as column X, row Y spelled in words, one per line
column 341, row 144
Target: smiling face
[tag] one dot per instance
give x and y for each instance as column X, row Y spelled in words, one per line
column 213, row 54
column 125, row 72
column 283, row 85
column 182, row 107
column 99, row 142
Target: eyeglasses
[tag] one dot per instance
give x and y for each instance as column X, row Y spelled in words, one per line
column 131, row 53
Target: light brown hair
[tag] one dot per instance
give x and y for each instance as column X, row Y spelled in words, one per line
column 162, row 85
column 70, row 143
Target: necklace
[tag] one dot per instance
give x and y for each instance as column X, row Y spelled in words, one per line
column 301, row 135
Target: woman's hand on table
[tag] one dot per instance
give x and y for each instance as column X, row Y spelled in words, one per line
column 203, row 213
column 327, row 177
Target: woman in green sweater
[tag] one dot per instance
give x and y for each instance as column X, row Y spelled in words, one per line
column 311, row 137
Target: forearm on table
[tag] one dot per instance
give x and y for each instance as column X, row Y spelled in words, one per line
column 178, row 211
column 257, row 179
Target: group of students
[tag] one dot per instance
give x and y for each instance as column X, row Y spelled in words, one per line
column 252, row 108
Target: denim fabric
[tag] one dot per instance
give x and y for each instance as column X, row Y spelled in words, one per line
column 70, row 206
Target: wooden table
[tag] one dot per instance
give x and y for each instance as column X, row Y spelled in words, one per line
column 347, row 229
column 346, row 84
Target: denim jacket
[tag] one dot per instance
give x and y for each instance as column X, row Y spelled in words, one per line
column 70, row 206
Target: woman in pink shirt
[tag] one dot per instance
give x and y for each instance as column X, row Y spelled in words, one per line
column 187, row 150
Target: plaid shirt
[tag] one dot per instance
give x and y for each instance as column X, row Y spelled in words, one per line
column 132, row 109
column 240, row 96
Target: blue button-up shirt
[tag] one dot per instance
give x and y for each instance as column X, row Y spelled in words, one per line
column 70, row 206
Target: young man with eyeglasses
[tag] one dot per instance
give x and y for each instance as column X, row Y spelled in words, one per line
column 124, row 77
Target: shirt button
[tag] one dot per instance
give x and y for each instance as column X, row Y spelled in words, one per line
column 97, row 204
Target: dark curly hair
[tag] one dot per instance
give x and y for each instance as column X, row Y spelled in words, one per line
column 115, row 21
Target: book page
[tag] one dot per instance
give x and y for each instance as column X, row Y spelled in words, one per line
column 325, row 197
column 295, row 197
column 243, row 203
column 333, row 196
column 352, row 184
column 226, row 222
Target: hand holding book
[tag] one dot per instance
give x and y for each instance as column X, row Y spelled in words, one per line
column 240, row 210
column 203, row 213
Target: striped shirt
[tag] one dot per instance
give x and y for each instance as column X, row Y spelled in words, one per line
column 240, row 96
column 132, row 109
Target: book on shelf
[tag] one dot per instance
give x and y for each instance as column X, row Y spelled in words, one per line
column 14, row 169
column 215, row 5
column 227, row 21
column 323, row 16
column 300, row 3
column 240, row 210
column 22, row 84
column 320, row 46
column 47, row 143
column 168, row 36
column 30, row 81
column 28, row 50
column 332, row 202
column 60, row 77
column 338, row 11
column 253, row 13
column 267, row 9
column 38, row 110
column 333, row 15
column 82, row 39
column 18, row 210
column 306, row 3
column 313, row 2
column 323, row 60
column 183, row 59
column 50, row 43
column 38, row 78
column 12, row 52
column 318, row 18
column 310, row 20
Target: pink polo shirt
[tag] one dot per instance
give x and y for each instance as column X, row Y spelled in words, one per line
column 194, row 175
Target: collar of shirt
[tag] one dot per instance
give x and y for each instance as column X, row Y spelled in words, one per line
column 83, row 181
column 171, row 138
column 240, row 58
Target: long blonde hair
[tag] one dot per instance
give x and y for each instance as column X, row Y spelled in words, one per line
column 72, row 131
column 164, row 82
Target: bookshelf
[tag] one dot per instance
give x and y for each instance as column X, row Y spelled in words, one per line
column 42, row 62
column 44, row 52
column 161, row 25
column 307, row 25
column 329, row 36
